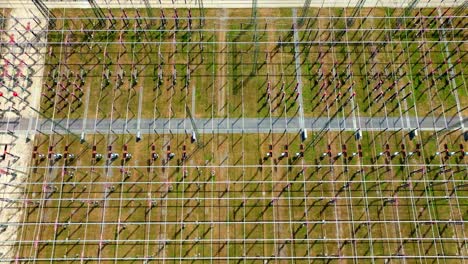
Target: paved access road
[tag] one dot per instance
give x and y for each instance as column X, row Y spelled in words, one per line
column 224, row 125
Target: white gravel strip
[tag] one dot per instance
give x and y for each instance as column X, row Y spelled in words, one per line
column 9, row 183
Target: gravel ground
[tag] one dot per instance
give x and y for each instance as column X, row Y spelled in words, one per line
column 17, row 145
column 231, row 3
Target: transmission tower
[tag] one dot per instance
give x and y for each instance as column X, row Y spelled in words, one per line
column 149, row 10
column 45, row 11
column 255, row 37
column 461, row 8
column 350, row 20
column 406, row 12
column 194, row 127
column 98, row 12
column 304, row 13
column 202, row 12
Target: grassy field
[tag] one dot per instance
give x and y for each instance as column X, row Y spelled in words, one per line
column 225, row 200
column 218, row 70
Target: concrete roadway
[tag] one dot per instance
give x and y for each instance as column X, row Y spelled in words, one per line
column 223, row 125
